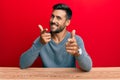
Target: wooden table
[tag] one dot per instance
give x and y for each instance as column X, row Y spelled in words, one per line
column 15, row 73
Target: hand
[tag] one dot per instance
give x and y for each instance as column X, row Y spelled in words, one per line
column 71, row 45
column 44, row 36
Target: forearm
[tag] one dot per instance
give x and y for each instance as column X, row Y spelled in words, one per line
column 28, row 57
column 84, row 62
column 83, row 59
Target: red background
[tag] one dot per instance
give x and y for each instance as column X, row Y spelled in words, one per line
column 96, row 21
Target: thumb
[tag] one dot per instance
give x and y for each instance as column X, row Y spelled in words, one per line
column 73, row 34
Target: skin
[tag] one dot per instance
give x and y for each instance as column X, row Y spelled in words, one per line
column 58, row 23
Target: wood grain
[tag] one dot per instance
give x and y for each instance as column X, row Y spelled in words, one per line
column 15, row 73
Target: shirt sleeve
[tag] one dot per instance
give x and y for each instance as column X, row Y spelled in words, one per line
column 84, row 60
column 29, row 56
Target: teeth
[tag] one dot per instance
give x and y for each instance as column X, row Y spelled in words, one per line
column 54, row 25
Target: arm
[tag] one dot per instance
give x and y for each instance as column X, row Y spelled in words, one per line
column 84, row 59
column 72, row 46
column 28, row 57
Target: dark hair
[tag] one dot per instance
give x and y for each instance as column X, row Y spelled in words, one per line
column 64, row 7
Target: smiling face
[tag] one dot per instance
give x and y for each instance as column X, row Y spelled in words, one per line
column 58, row 21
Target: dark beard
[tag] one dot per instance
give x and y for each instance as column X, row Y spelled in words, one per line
column 58, row 30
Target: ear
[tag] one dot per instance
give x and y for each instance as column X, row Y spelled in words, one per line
column 67, row 22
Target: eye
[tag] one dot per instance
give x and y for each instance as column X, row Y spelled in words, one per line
column 59, row 18
column 52, row 16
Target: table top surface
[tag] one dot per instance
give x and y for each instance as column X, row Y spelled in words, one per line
column 15, row 73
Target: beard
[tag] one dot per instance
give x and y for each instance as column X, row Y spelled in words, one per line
column 59, row 28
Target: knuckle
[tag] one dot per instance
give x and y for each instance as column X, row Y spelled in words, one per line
column 74, row 52
column 75, row 44
column 74, row 48
column 67, row 51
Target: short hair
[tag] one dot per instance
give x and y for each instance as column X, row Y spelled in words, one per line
column 64, row 7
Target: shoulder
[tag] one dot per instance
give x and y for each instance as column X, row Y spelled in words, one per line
column 36, row 40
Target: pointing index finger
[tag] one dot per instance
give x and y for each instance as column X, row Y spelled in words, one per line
column 41, row 28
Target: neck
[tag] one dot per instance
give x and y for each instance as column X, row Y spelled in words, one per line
column 58, row 37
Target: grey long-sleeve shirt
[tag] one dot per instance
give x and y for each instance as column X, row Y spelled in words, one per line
column 55, row 55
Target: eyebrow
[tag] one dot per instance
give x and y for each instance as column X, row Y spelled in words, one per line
column 56, row 16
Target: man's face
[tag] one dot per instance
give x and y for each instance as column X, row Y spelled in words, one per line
column 58, row 21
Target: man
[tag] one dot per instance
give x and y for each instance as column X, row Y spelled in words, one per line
column 59, row 48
